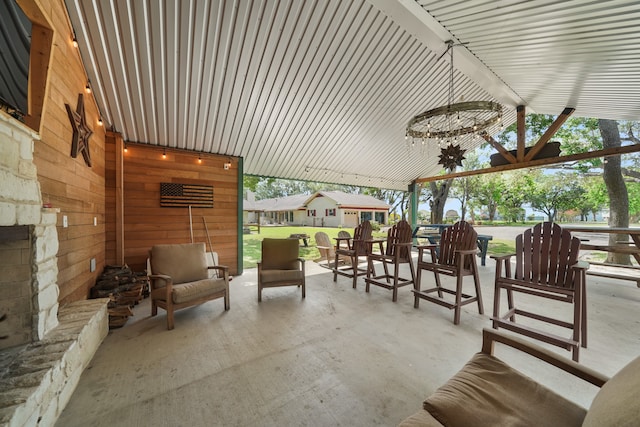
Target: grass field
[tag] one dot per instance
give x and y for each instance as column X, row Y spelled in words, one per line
column 252, row 242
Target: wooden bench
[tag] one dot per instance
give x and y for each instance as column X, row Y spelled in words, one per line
column 619, row 248
column 622, row 249
column 613, row 275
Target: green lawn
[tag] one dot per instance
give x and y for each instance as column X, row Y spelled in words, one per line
column 252, row 248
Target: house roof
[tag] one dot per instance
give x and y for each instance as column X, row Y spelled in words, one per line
column 323, row 91
column 346, row 200
column 278, row 204
column 300, row 202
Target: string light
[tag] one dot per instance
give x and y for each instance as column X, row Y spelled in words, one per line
column 100, row 121
column 74, row 41
column 87, row 88
column 199, row 159
column 125, row 147
column 365, row 178
column 164, row 153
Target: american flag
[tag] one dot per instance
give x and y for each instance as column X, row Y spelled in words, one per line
column 184, row 195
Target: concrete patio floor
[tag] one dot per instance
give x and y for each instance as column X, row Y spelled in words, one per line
column 339, row 357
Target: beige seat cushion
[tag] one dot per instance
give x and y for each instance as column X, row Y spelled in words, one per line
column 182, row 262
column 487, row 392
column 617, row 403
column 190, row 291
column 271, row 276
column 420, row 419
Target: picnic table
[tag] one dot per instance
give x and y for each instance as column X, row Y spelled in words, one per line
column 436, row 231
column 631, row 247
column 301, row 236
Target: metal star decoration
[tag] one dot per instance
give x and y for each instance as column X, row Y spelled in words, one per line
column 81, row 132
column 451, row 156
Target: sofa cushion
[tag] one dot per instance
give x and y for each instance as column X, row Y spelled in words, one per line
column 271, row 276
column 185, row 292
column 182, row 262
column 617, row 404
column 420, row 419
column 487, row 392
column 280, row 254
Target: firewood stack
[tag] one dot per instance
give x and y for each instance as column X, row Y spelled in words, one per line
column 124, row 287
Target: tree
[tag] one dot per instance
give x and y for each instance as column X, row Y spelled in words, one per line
column 594, row 197
column 616, row 188
column 514, row 195
column 463, row 188
column 439, row 194
column 489, row 193
column 555, row 193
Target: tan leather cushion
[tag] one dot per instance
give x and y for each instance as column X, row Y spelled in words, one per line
column 190, row 291
column 271, row 276
column 420, row 419
column 280, row 254
column 183, row 262
column 487, row 392
column 617, row 403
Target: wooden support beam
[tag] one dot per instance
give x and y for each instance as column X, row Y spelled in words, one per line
column 119, row 199
column 495, row 144
column 613, row 151
column 521, row 128
column 559, row 121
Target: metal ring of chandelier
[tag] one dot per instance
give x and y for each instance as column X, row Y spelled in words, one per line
column 455, row 120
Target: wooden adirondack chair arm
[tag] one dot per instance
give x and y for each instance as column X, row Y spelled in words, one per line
column 581, row 265
column 499, row 258
column 491, row 336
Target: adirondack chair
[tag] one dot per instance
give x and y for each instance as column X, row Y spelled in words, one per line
column 547, row 266
column 454, row 256
column 396, row 250
column 328, row 251
column 356, row 248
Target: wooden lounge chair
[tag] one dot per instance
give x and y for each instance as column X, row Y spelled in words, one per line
column 328, row 251
column 281, row 265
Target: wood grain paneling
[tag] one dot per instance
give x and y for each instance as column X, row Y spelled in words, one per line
column 146, row 223
column 68, row 183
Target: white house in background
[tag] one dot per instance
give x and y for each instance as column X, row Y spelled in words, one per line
column 339, row 209
column 322, row 209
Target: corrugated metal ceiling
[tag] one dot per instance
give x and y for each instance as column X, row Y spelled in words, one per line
column 323, row 90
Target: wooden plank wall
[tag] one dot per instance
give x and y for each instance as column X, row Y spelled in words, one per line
column 69, row 184
column 146, row 223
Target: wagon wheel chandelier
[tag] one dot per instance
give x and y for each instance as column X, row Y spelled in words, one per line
column 449, row 123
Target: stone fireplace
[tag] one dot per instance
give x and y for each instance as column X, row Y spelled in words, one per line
column 28, row 242
column 43, row 347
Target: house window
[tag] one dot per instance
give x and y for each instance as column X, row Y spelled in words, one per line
column 365, row 216
column 311, row 212
column 380, row 217
column 330, row 212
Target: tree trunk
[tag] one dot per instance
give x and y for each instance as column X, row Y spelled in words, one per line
column 439, row 194
column 616, row 188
